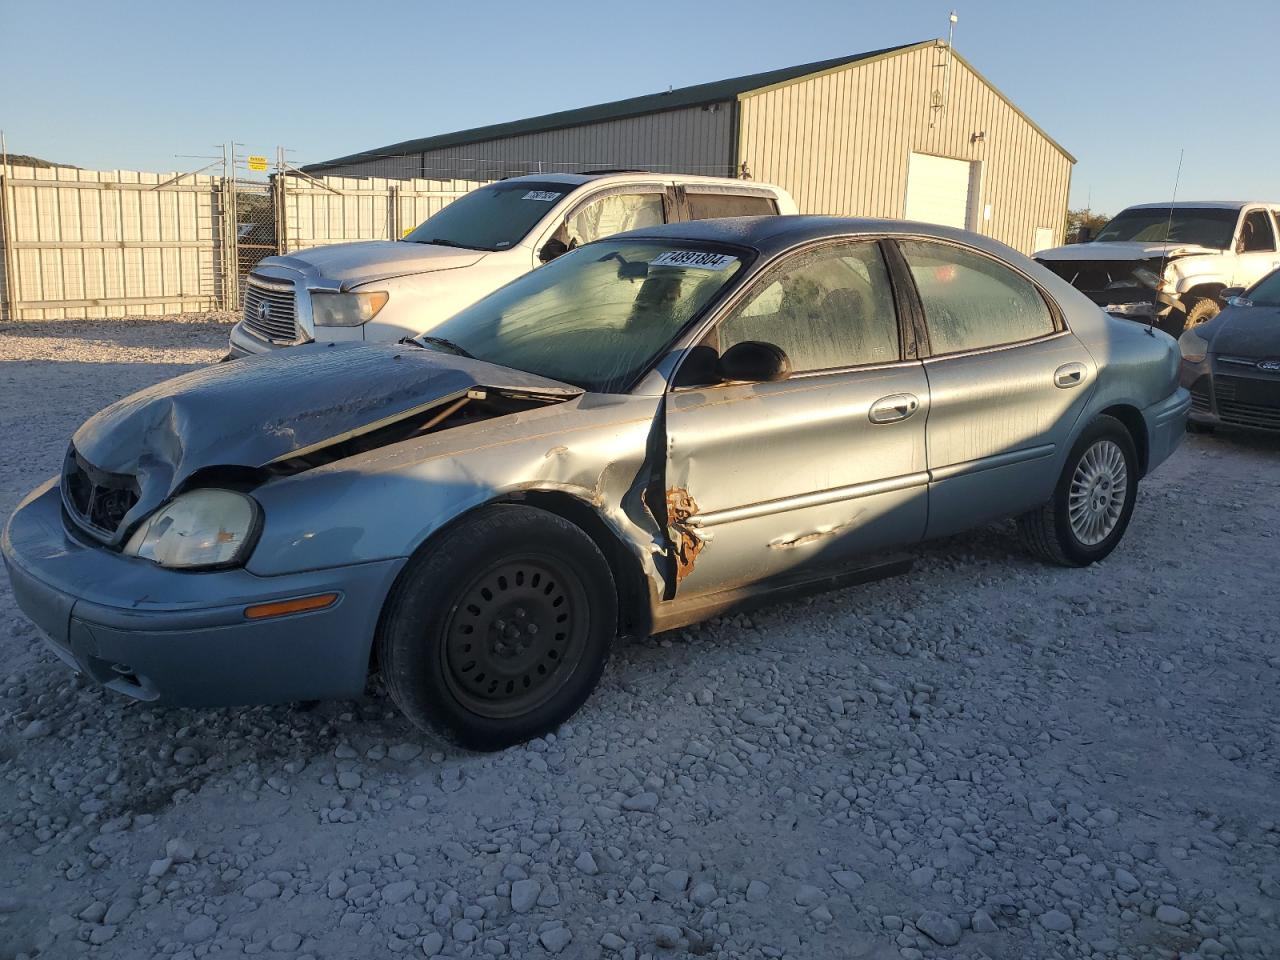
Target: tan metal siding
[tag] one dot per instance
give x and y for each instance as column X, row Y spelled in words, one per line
column 696, row 140
column 840, row 143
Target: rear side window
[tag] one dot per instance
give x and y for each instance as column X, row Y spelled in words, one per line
column 971, row 301
column 828, row 308
column 710, row 206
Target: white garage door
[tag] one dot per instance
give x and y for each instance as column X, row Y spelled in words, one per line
column 938, row 190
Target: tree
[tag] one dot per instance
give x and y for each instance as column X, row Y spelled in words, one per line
column 1093, row 222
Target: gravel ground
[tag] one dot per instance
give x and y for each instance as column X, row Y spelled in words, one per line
column 988, row 758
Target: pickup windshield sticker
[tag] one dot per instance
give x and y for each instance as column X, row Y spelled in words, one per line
column 546, row 196
column 698, row 259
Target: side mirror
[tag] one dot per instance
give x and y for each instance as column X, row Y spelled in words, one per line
column 754, row 361
column 1084, row 235
column 553, row 248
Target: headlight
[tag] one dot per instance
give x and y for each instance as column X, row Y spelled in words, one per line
column 346, row 309
column 203, row 528
column 1193, row 346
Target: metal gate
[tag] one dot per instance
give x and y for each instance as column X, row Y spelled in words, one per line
column 250, row 231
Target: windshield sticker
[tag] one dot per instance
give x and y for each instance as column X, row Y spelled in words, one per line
column 546, row 196
column 698, row 259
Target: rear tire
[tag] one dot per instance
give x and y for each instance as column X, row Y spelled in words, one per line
column 499, row 631
column 1090, row 508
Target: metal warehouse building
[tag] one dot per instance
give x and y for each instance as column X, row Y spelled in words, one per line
column 911, row 131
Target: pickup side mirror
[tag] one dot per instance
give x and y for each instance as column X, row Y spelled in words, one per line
column 1083, row 235
column 754, row 361
column 553, row 248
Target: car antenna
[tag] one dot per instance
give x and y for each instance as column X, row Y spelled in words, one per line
column 1164, row 256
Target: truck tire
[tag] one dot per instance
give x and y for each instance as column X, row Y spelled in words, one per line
column 1201, row 310
column 1090, row 508
column 499, row 630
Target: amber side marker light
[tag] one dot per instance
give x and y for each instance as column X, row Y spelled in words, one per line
column 280, row 608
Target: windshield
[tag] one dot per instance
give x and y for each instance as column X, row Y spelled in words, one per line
column 491, row 218
column 1266, row 292
column 596, row 317
column 1203, row 226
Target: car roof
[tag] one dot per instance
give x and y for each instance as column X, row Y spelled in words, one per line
column 1191, row 204
column 772, row 234
column 637, row 176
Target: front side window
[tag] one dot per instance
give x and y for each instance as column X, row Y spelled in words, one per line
column 596, row 317
column 972, row 301
column 828, row 308
column 1256, row 235
column 1202, row 226
column 495, row 217
column 614, row 213
column 711, row 206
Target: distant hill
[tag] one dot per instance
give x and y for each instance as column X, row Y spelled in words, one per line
column 23, row 160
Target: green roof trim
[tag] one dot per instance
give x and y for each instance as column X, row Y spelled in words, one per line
column 701, row 94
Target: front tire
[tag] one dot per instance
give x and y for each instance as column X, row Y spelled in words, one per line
column 1090, row 508
column 499, row 631
column 1199, row 310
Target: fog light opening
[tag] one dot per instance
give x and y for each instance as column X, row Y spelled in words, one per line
column 282, row 608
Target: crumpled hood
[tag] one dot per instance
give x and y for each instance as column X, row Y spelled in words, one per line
column 1123, row 250
column 1252, row 332
column 252, row 412
column 349, row 264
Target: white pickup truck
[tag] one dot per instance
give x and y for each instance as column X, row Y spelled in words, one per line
column 1168, row 263
column 389, row 289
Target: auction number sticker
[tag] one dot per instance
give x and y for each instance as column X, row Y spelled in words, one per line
column 546, row 196
column 698, row 259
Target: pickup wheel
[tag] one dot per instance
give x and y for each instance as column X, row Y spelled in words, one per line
column 1093, row 501
column 1200, row 311
column 499, row 630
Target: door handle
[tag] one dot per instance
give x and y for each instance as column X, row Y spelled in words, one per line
column 1069, row 375
column 894, row 408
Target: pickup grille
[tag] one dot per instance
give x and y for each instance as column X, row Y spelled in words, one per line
column 96, row 500
column 269, row 310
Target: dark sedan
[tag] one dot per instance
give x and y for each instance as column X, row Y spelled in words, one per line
column 1231, row 364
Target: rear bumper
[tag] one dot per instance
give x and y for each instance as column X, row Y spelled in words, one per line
column 1166, row 426
column 183, row 638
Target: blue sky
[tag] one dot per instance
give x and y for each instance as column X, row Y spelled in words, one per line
column 1123, row 84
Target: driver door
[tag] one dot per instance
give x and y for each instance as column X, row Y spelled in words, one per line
column 802, row 474
column 1256, row 254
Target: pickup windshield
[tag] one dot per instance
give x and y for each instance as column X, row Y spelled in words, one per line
column 1202, row 226
column 597, row 317
column 491, row 218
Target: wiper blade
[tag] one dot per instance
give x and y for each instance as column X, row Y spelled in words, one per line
column 447, row 345
column 442, row 242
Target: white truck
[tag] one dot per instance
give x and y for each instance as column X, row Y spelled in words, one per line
column 390, row 289
column 1168, row 263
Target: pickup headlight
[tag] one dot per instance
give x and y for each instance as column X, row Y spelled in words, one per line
column 203, row 528
column 1193, row 346
column 346, row 309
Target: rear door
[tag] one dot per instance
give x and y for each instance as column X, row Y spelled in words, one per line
column 767, row 479
column 1007, row 382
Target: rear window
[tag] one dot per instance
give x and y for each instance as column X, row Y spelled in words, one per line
column 711, row 206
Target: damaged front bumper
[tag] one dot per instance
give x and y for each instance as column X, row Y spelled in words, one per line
column 183, row 638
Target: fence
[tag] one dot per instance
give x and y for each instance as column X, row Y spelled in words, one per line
column 84, row 243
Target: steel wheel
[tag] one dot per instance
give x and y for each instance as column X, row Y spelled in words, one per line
column 1099, row 488
column 517, row 634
